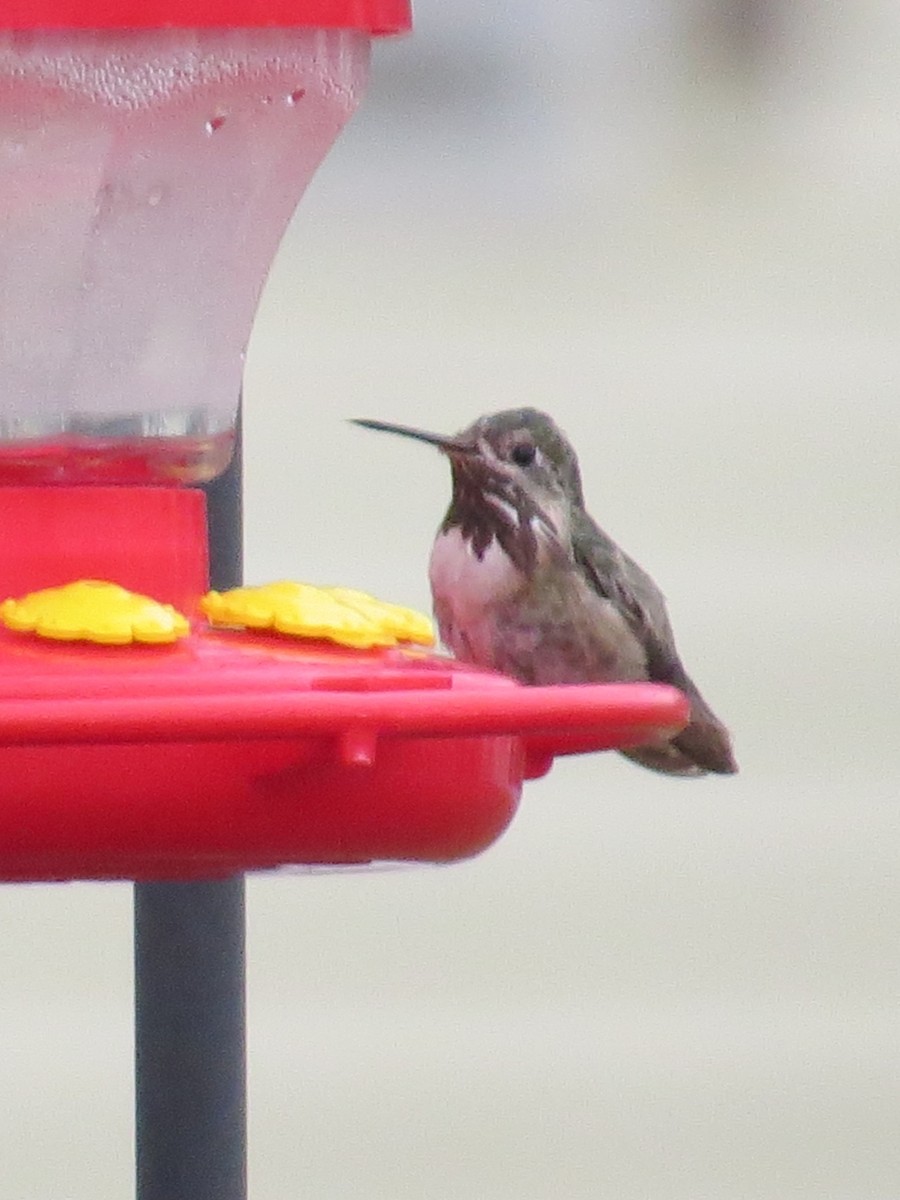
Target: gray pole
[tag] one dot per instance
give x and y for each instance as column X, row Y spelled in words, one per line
column 189, row 988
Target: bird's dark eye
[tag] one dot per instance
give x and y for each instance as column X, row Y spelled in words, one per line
column 523, row 453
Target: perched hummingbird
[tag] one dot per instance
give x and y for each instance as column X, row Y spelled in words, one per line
column 524, row 582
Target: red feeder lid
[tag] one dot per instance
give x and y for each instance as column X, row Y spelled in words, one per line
column 369, row 16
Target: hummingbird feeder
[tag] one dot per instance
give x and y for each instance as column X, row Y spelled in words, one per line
column 151, row 155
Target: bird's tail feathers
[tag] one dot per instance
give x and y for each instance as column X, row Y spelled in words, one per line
column 704, row 745
column 705, row 740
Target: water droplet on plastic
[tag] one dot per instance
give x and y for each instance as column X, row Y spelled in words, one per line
column 215, row 123
column 296, row 95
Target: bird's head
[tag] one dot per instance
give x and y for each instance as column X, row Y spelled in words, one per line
column 515, row 468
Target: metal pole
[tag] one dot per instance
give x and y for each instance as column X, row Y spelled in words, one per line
column 189, row 986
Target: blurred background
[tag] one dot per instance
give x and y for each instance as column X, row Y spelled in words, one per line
column 673, row 225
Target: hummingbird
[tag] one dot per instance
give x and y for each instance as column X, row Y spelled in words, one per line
column 525, row 582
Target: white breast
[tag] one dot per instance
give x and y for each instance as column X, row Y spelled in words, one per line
column 473, row 583
column 466, row 587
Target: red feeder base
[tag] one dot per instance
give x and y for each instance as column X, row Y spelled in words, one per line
column 231, row 752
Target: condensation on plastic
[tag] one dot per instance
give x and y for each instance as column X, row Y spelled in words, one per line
column 146, row 179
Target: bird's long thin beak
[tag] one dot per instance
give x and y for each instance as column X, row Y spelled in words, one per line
column 449, row 445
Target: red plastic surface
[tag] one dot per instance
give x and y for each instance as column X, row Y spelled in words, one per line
column 370, row 16
column 229, row 751
column 150, row 540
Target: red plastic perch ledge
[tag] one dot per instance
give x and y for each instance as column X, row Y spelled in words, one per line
column 225, row 754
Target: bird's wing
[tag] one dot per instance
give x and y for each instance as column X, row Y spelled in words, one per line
column 619, row 579
column 704, row 741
